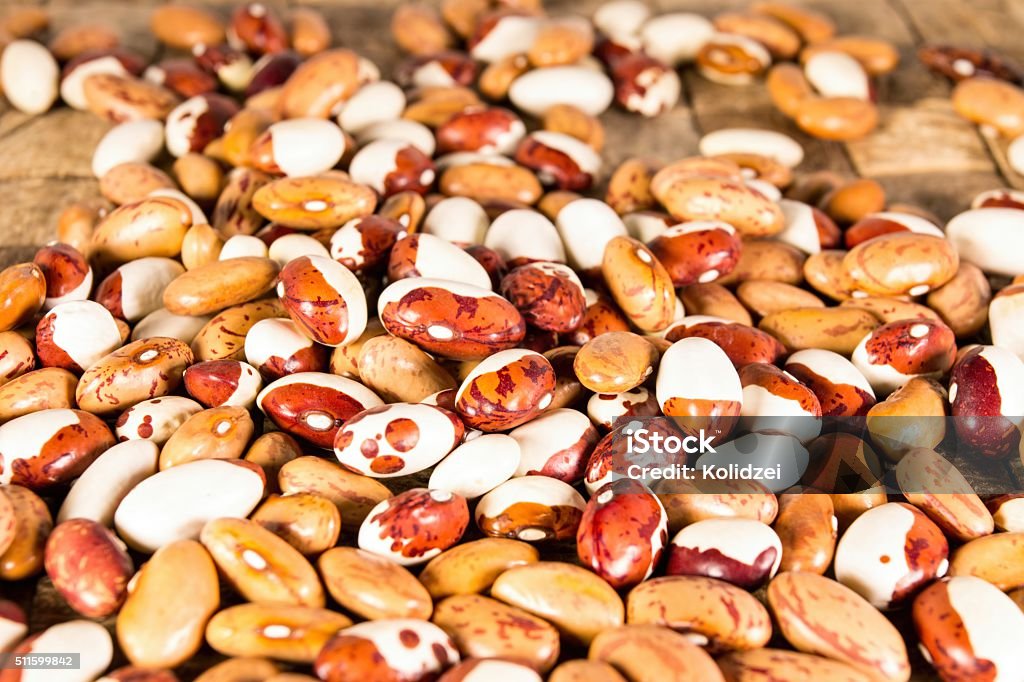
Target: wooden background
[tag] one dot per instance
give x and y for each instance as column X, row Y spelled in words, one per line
column 922, row 153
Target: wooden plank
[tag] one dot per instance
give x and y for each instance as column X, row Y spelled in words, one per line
column 944, row 194
column 979, row 23
column 31, row 207
column 42, row 147
column 983, row 24
column 722, row 106
column 926, row 137
column 131, row 20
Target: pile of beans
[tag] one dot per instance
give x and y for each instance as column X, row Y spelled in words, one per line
column 326, row 380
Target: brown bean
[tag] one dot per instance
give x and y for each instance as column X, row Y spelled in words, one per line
column 316, row 202
column 487, row 628
column 310, row 32
column 992, row 103
column 217, row 433
column 42, row 389
column 877, row 55
column 372, row 586
column 473, row 567
column 711, row 613
column 837, row 118
column 144, row 369
column 184, row 26
column 22, row 293
column 200, row 176
column 398, row 371
column 911, row 417
column 320, row 84
column 156, row 630
column 649, row 653
column 767, row 260
column 998, row 559
column 485, row 182
column 261, row 566
column 418, row 29
column 963, row 301
column 765, row 665
column 223, row 337
column 715, row 300
column 807, row 608
column 25, row 553
column 353, row 494
column 585, row 671
column 151, row 227
column 580, row 604
column 807, row 527
column 308, row 522
column 219, row 285
column 287, row 633
column 835, row 329
column 569, row 120
column 124, row 98
column 130, row 182
column 764, row 297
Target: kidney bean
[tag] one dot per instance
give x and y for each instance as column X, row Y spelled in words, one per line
column 397, row 439
column 89, row 566
column 710, row 613
column 983, row 405
column 762, row 664
column 894, row 353
column 956, row 622
column 283, row 632
column 394, row 649
column 185, row 26
column 487, row 628
column 993, row 558
column 392, row 528
column 648, row 652
column 32, row 524
column 615, row 362
column 531, row 508
column 743, row 552
column 870, row 643
column 177, row 634
column 507, row 389
column 50, row 447
column 372, row 586
column 59, row 338
column 898, row 572
column 602, row 530
column 427, row 312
